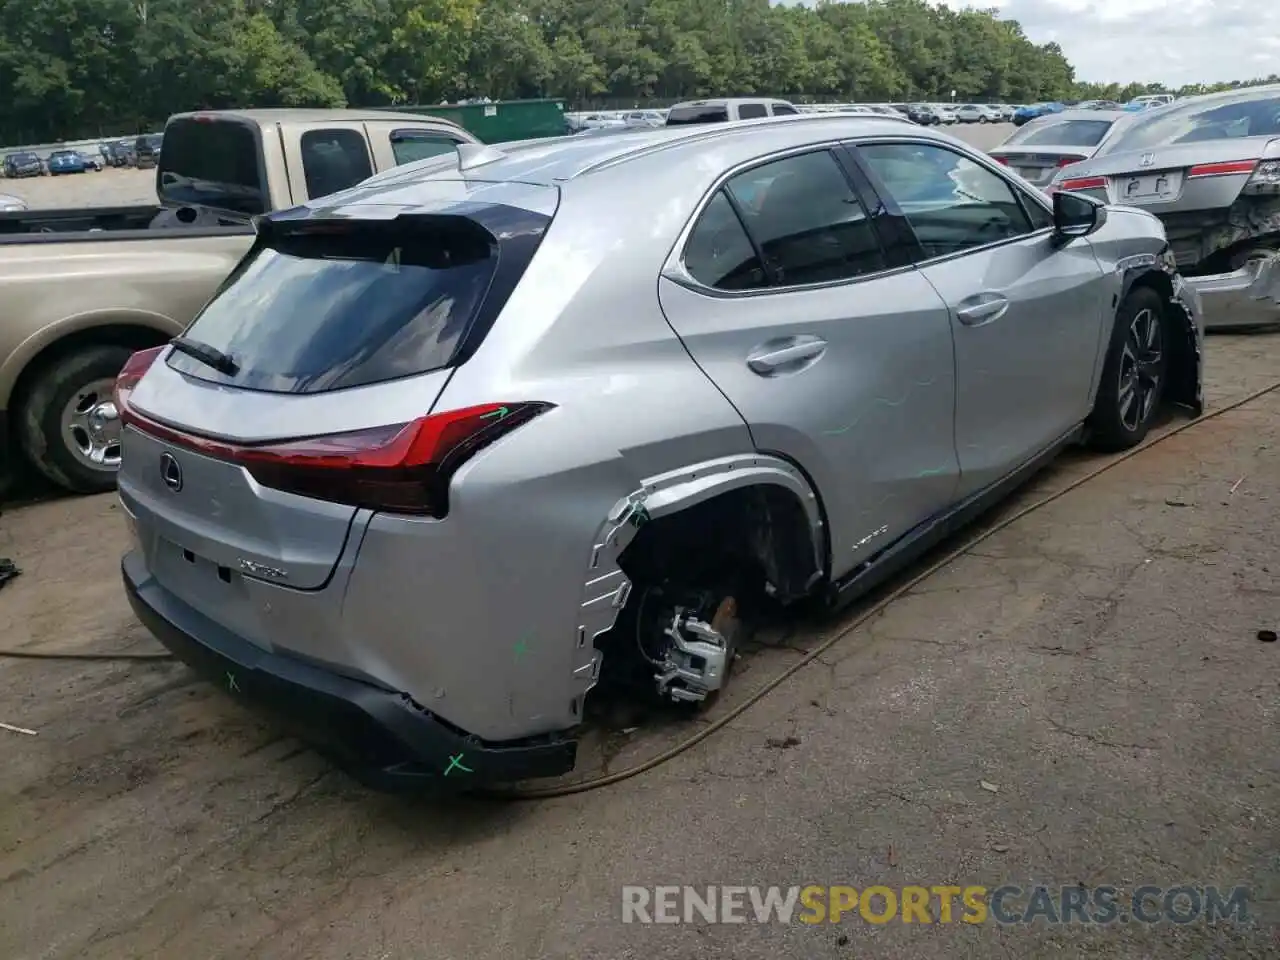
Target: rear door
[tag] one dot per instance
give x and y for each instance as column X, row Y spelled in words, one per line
column 1026, row 312
column 784, row 294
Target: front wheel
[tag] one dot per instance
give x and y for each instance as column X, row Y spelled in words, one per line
column 1133, row 377
column 68, row 426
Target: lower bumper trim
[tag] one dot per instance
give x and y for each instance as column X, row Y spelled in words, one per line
column 380, row 737
column 1246, row 297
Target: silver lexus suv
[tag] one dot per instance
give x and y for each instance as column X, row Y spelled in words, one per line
column 450, row 448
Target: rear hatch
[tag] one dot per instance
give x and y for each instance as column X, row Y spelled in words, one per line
column 251, row 453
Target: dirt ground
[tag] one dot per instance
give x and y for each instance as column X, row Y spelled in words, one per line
column 122, row 188
column 1096, row 665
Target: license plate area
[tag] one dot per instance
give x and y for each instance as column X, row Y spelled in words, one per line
column 1148, row 187
column 218, row 592
column 1035, row 174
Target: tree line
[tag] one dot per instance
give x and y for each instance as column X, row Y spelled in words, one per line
column 85, row 68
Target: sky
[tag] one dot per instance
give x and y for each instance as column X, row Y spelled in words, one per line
column 1169, row 41
column 1174, row 42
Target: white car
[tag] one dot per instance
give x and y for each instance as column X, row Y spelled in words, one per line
column 976, row 113
column 11, row 204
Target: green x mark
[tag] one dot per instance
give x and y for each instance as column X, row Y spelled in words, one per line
column 455, row 763
column 522, row 647
column 231, row 682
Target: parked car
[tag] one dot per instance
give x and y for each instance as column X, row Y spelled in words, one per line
column 1031, row 112
column 21, row 164
column 11, row 204
column 147, row 151
column 1036, row 151
column 786, row 401
column 92, row 161
column 925, row 114
column 946, row 113
column 645, row 118
column 141, row 273
column 66, row 161
column 115, row 154
column 976, row 113
column 1004, row 110
column 726, row 110
column 1209, row 168
column 1147, row 101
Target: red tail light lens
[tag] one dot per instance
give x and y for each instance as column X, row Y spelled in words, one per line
column 1003, row 160
column 401, row 468
column 133, row 370
column 1068, row 161
column 1084, row 183
column 1231, row 168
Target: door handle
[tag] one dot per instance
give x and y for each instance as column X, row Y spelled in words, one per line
column 785, row 355
column 984, row 308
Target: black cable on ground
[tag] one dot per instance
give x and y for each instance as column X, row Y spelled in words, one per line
column 596, row 783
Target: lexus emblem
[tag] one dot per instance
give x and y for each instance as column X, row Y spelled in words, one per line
column 171, row 472
column 1147, row 160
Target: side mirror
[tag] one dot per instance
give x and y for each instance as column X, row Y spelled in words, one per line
column 1076, row 216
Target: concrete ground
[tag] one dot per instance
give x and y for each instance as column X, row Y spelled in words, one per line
column 1080, row 700
column 122, row 188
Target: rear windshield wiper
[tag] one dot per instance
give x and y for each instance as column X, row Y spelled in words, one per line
column 210, row 356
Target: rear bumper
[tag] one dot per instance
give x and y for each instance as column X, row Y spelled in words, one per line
column 381, row 737
column 1246, row 297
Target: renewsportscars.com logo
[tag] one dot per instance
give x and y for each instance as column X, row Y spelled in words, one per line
column 1007, row 904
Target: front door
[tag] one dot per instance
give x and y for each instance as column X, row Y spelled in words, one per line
column 783, row 296
column 1026, row 311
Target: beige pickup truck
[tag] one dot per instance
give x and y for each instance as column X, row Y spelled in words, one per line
column 80, row 290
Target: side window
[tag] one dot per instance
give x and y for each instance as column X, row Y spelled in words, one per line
column 783, row 109
column 952, row 203
column 718, row 253
column 749, row 111
column 808, row 222
column 334, row 160
column 408, row 146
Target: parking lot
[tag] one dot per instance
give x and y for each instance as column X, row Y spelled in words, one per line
column 1080, row 699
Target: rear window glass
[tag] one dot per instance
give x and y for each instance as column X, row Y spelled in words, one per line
column 408, row 146
column 749, row 111
column 312, row 313
column 783, row 110
column 1065, row 133
column 334, row 160
column 212, row 164
column 707, row 113
column 1196, row 121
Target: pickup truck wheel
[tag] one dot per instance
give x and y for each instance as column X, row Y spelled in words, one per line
column 1133, row 377
column 68, row 426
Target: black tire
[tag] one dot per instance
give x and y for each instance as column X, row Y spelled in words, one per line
column 1134, row 375
column 39, row 422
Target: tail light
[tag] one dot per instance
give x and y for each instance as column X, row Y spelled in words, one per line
column 401, row 468
column 133, row 370
column 1068, row 161
column 1083, row 183
column 1000, row 159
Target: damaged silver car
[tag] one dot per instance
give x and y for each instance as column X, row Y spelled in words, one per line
column 1209, row 168
column 460, row 450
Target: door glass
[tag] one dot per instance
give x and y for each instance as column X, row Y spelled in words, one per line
column 749, row 111
column 334, row 160
column 783, row 110
column 719, row 254
column 408, row 146
column 952, row 203
column 807, row 220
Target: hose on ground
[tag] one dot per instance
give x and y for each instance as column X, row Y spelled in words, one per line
column 596, row 783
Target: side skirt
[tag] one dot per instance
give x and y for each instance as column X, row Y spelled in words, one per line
column 917, row 541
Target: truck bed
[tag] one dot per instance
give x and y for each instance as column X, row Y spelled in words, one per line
column 63, row 219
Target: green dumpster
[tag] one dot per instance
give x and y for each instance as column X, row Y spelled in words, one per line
column 503, row 120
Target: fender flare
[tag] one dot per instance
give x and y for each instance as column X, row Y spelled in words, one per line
column 606, row 588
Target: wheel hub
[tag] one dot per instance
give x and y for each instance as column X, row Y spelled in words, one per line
column 91, row 427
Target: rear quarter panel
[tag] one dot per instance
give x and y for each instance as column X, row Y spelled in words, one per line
column 51, row 289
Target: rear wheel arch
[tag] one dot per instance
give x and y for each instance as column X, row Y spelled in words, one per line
column 1186, row 356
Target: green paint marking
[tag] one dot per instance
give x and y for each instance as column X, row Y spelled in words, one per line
column 455, row 763
column 499, row 413
column 522, row 647
column 231, row 682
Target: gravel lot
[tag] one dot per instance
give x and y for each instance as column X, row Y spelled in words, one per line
column 1080, row 700
column 119, row 188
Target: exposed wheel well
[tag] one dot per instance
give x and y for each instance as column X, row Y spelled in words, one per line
column 1184, row 350
column 761, row 531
